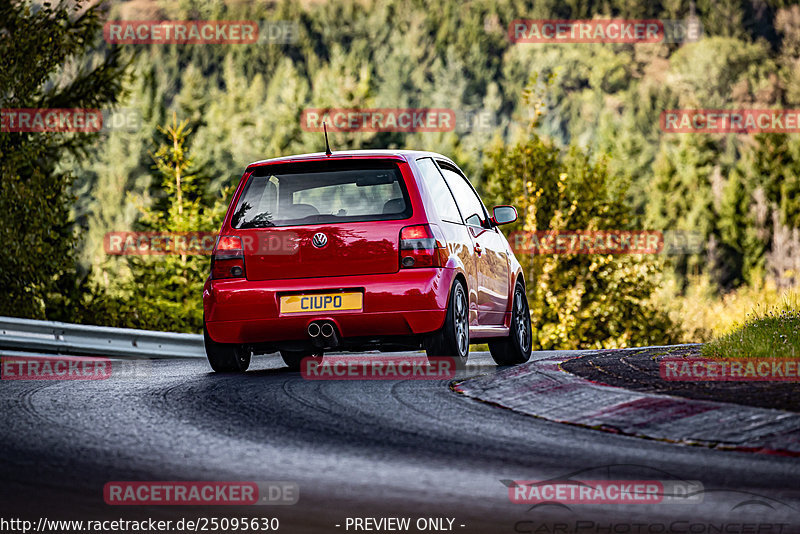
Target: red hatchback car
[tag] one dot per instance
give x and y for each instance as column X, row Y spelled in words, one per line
column 361, row 250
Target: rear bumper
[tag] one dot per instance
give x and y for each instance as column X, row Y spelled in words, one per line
column 408, row 302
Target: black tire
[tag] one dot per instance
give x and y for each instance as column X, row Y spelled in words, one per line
column 293, row 358
column 226, row 357
column 452, row 340
column 516, row 348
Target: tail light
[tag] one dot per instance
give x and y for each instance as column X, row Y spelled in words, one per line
column 227, row 261
column 422, row 245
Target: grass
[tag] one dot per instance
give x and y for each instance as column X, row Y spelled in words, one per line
column 704, row 315
column 768, row 332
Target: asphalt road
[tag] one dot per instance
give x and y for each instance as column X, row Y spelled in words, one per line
column 356, row 449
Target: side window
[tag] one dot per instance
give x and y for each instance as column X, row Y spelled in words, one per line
column 468, row 202
column 445, row 205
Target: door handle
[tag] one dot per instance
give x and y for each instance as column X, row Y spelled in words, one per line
column 478, row 249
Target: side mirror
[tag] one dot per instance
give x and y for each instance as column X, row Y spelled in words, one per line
column 503, row 215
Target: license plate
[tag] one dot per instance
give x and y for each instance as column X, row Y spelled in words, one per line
column 321, row 302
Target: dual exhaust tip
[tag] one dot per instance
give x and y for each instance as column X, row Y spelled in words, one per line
column 321, row 328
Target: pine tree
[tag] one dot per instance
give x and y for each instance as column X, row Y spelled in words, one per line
column 37, row 268
column 164, row 291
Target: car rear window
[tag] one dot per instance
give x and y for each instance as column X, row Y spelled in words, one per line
column 322, row 192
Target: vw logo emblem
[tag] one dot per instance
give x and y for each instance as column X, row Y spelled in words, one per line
column 319, row 240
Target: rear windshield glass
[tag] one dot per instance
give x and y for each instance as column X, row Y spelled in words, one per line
column 322, row 192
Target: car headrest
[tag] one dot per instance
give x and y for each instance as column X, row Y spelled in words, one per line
column 396, row 205
column 299, row 211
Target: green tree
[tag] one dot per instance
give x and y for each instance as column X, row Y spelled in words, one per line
column 37, row 275
column 164, row 292
column 577, row 300
column 244, row 102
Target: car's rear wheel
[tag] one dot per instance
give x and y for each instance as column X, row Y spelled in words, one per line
column 516, row 348
column 452, row 339
column 294, row 358
column 226, row 357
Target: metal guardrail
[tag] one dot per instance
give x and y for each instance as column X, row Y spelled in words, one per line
column 67, row 338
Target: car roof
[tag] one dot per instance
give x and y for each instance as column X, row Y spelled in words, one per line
column 407, row 155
